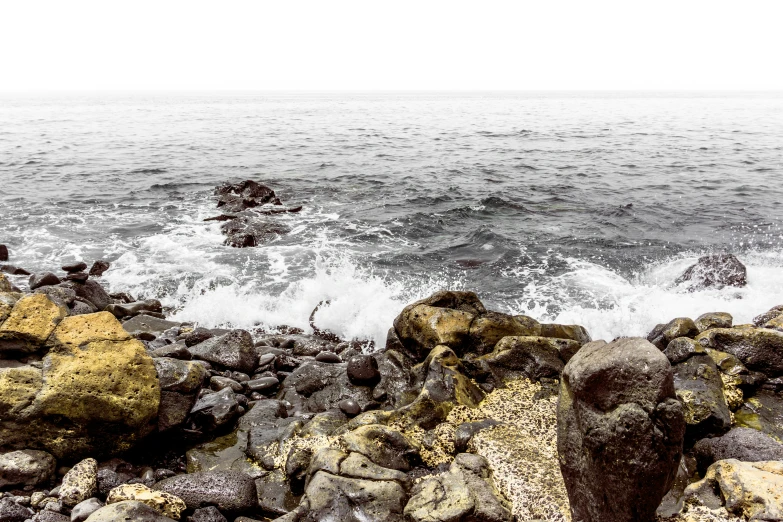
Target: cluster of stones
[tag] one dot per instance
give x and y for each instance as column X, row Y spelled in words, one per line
column 247, row 209
column 465, row 415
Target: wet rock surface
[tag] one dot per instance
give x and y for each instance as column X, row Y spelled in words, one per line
column 454, row 419
column 620, row 430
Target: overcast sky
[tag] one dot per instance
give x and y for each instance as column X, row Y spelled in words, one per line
column 392, row 45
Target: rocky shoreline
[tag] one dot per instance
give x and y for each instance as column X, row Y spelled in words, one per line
column 110, row 411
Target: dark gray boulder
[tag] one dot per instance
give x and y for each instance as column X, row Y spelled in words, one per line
column 717, row 270
column 698, row 385
column 233, row 350
column 216, row 409
column 91, row 291
column 318, row 386
column 745, row 444
column 43, row 279
column 230, row 491
column 759, row 349
column 620, row 431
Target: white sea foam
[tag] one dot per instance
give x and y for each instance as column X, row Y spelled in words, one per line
column 611, row 306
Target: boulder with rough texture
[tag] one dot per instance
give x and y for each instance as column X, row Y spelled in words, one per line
column 331, row 497
column 25, row 468
column 229, row 491
column 759, row 349
column 179, row 376
column 682, row 348
column 699, row 386
column 11, row 511
column 135, row 308
column 5, row 284
column 215, row 409
column 147, row 327
column 743, row 444
column 713, row 320
column 762, row 319
column 166, row 503
column 620, row 431
column 531, row 357
column 80, row 483
column 422, row 327
column 30, row 322
column 714, row 271
column 130, row 511
column 663, row 334
column 465, row 492
column 489, row 328
column 43, row 279
column 751, row 490
column 382, row 445
column 97, row 393
column 318, row 386
column 443, row 385
column 92, row 291
column 249, row 230
column 233, row 350
column 208, row 514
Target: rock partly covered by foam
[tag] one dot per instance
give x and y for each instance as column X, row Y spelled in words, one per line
column 714, row 271
column 620, row 431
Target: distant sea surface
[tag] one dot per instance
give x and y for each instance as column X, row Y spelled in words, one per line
column 575, row 208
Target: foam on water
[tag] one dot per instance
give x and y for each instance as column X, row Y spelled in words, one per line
column 616, row 306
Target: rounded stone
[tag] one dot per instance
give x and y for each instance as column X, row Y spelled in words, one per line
column 43, row 279
column 75, row 267
column 363, row 370
column 350, row 407
column 328, row 357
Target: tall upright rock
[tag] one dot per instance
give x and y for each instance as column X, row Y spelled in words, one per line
column 620, row 431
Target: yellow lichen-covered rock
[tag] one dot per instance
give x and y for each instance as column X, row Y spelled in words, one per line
column 423, row 327
column 31, row 321
column 19, row 384
column 165, row 503
column 489, row 328
column 114, row 381
column 751, row 490
column 78, row 330
column 97, row 394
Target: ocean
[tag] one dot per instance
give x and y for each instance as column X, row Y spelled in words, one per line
column 569, row 207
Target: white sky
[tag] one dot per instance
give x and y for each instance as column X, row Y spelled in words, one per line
column 391, row 45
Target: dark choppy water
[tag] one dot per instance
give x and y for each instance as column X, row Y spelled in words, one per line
column 575, row 208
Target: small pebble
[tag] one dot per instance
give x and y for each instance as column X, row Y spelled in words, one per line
column 328, row 357
column 350, row 407
column 262, row 384
column 266, row 359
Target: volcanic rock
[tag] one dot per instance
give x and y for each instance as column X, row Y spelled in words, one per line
column 743, row 444
column 717, row 270
column 620, row 431
column 229, row 491
column 43, row 279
